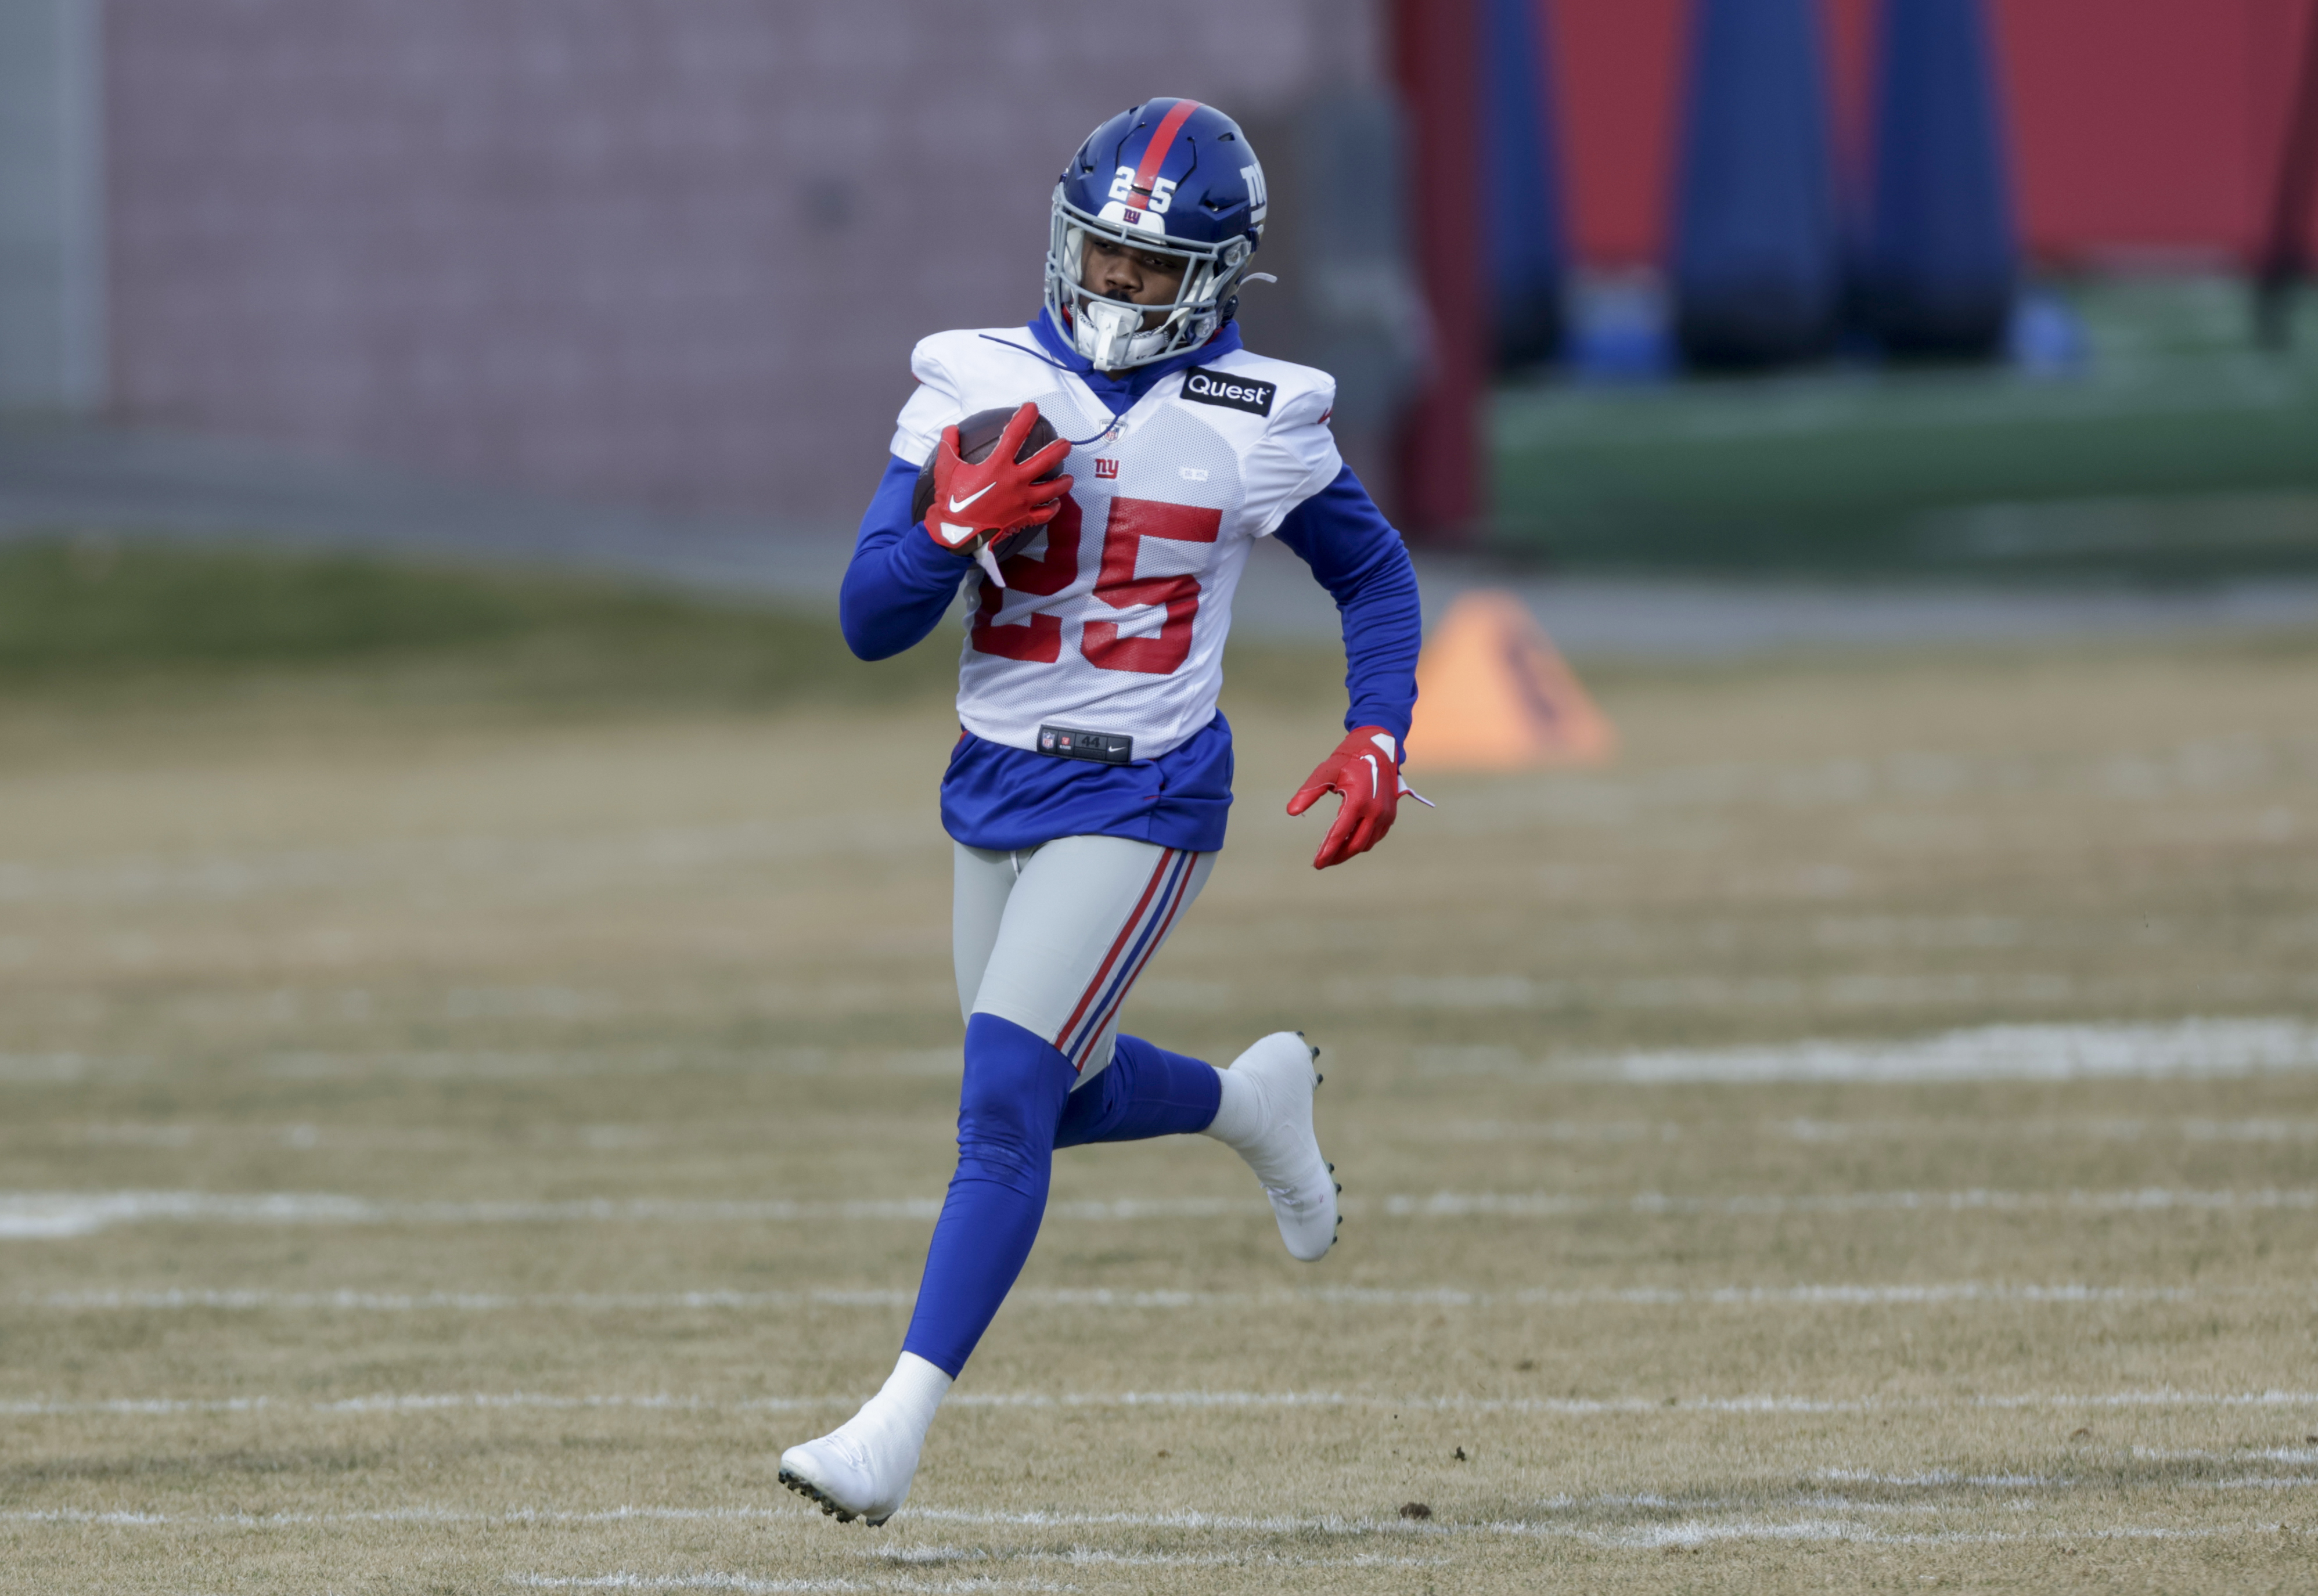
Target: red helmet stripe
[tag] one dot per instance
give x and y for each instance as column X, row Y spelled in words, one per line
column 1155, row 154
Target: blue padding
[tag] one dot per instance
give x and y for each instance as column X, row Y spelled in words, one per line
column 1943, row 255
column 1146, row 1091
column 1009, row 1107
column 1528, row 251
column 1758, row 268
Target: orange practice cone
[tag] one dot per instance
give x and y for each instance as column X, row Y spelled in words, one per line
column 1494, row 693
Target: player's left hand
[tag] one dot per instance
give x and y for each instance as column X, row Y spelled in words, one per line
column 1365, row 770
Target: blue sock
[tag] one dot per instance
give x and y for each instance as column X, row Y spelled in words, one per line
column 1009, row 1103
column 1146, row 1091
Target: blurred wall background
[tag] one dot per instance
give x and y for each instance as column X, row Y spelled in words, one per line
column 52, row 206
column 668, row 251
column 673, row 253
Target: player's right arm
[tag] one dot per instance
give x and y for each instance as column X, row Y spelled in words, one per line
column 905, row 571
column 899, row 582
column 1337, row 530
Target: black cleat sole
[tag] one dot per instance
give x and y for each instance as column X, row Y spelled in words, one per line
column 820, row 1499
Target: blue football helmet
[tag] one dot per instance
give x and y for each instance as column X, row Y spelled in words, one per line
column 1170, row 177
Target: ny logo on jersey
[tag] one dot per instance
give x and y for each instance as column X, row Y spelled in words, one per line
column 1105, row 467
column 1162, row 190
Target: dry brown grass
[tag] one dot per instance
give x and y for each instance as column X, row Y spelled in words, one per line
column 481, row 971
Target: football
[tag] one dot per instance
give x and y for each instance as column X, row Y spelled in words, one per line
column 977, row 435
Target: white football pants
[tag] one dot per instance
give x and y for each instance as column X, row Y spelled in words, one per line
column 1053, row 937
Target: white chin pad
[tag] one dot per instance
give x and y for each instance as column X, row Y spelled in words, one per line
column 1105, row 332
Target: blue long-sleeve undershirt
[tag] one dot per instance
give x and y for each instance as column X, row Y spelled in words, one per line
column 901, row 581
column 1357, row 556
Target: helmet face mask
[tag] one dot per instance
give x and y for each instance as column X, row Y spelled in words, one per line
column 1116, row 334
column 1208, row 217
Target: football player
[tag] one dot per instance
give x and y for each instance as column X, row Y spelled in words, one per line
column 1087, row 792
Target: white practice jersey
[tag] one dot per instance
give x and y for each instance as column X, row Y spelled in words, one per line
column 1113, row 617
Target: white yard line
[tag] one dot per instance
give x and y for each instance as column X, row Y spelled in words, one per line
column 1703, row 1532
column 1765, row 1403
column 1928, row 1128
column 1827, row 1524
column 54, row 1214
column 49, row 1215
column 590, row 858
column 243, row 1300
column 2187, row 1050
column 61, row 1069
column 1944, row 1478
column 1850, row 1296
column 1546, row 1204
column 1094, row 1556
column 1099, row 1299
column 931, row 1557
column 2041, row 1128
column 1713, row 993
column 410, row 1515
column 660, row 1141
column 1938, row 1476
column 571, row 1063
column 2265, row 1483
column 753, row 1583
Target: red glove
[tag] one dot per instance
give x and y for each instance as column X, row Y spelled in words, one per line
column 997, row 493
column 1365, row 769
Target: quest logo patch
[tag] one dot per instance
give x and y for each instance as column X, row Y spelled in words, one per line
column 1203, row 385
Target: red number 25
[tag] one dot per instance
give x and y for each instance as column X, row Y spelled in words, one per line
column 1131, row 521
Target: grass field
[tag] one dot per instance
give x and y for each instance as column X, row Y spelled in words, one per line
column 468, row 1099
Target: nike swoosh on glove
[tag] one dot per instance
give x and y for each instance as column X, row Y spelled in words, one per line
column 1365, row 769
column 997, row 493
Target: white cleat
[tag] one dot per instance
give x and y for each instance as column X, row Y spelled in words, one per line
column 862, row 1469
column 852, row 1471
column 1276, row 1138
